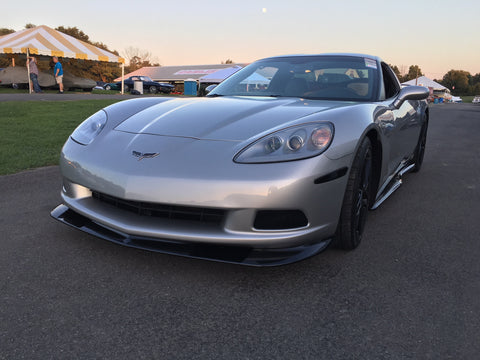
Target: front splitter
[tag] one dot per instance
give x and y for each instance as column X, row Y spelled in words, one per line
column 244, row 255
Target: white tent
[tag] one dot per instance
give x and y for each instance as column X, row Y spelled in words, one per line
column 424, row 81
column 42, row 40
column 438, row 89
column 256, row 78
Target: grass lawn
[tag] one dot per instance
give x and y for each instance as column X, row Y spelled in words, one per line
column 467, row 98
column 32, row 133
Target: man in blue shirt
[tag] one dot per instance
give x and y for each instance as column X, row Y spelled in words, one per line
column 58, row 73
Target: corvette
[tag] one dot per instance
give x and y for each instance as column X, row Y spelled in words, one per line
column 281, row 159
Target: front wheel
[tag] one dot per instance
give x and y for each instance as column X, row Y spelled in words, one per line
column 152, row 89
column 356, row 201
column 126, row 88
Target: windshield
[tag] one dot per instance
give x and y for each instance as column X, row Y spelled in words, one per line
column 312, row 77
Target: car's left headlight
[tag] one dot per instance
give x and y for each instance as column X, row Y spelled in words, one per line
column 293, row 143
column 90, row 128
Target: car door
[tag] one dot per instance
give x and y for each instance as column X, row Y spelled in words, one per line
column 403, row 126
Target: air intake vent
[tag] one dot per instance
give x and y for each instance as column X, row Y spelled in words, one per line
column 198, row 214
column 280, row 220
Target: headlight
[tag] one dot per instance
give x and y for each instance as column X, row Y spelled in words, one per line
column 90, row 128
column 293, row 143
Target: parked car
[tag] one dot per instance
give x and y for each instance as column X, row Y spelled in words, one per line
column 149, row 85
column 100, row 85
column 258, row 175
column 112, row 86
column 476, row 99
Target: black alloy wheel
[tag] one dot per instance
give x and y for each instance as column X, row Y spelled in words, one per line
column 356, row 201
column 420, row 149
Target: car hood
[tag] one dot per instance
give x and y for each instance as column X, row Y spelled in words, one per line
column 222, row 118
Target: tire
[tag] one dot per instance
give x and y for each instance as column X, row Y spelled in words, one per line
column 152, row 89
column 356, row 201
column 420, row 149
column 126, row 88
column 108, row 87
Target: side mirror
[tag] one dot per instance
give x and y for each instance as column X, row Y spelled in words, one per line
column 411, row 93
column 210, row 88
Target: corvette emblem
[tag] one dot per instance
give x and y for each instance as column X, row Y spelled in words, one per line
column 142, row 156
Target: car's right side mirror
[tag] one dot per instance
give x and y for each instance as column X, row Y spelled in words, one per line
column 411, row 93
column 210, row 88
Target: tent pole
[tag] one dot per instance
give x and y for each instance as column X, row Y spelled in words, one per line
column 123, row 76
column 28, row 73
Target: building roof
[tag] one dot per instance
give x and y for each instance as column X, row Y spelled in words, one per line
column 220, row 75
column 177, row 73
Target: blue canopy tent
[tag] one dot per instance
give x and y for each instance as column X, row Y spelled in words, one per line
column 220, row 75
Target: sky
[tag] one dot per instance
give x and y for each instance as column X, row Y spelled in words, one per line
column 436, row 35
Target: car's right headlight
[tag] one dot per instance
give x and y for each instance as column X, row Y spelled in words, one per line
column 90, row 128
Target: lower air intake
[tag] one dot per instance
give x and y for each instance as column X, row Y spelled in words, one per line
column 280, row 220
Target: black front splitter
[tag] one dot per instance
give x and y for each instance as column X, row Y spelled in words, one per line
column 243, row 255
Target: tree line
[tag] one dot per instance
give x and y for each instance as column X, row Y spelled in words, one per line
column 459, row 82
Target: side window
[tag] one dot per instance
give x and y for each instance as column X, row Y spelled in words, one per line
column 390, row 82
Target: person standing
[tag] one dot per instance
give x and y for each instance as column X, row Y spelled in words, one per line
column 58, row 73
column 32, row 65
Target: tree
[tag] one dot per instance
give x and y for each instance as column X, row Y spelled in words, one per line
column 228, row 61
column 75, row 32
column 397, row 72
column 137, row 59
column 474, row 80
column 414, row 72
column 30, row 26
column 456, row 81
column 5, row 31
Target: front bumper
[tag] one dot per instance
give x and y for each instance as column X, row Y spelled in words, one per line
column 242, row 193
column 244, row 255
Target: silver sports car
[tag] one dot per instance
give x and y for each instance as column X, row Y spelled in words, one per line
column 281, row 159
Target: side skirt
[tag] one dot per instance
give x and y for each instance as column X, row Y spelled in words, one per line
column 392, row 184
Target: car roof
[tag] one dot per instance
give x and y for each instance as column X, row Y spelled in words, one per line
column 328, row 54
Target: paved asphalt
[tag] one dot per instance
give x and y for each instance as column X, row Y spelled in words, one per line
column 410, row 291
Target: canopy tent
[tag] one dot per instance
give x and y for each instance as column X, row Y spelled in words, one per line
column 220, row 75
column 256, row 78
column 424, row 81
column 438, row 89
column 42, row 40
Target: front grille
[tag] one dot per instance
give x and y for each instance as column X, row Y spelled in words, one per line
column 191, row 213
